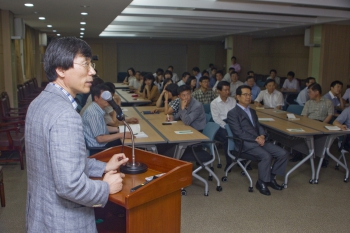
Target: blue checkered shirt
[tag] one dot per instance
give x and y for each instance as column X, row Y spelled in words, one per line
column 74, row 103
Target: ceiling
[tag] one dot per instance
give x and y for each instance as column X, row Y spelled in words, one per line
column 179, row 19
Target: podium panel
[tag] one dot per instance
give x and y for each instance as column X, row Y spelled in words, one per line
column 155, row 207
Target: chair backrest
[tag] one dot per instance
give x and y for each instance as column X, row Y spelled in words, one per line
column 210, row 130
column 294, row 108
column 231, row 143
column 206, row 108
column 208, row 117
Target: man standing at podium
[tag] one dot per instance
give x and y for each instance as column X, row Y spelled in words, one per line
column 60, row 194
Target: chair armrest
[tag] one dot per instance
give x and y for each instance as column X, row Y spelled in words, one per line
column 240, row 142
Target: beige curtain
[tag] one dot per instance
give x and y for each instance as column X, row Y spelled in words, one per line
column 29, row 53
column 18, row 62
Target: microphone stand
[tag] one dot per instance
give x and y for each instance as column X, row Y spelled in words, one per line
column 133, row 167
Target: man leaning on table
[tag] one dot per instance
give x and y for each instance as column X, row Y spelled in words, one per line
column 191, row 112
column 271, row 97
column 343, row 122
column 244, row 124
column 60, row 194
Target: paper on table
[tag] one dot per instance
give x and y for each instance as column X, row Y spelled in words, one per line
column 332, row 127
column 296, row 130
column 136, row 128
column 184, row 132
column 266, row 119
column 278, row 111
column 290, row 116
column 170, row 122
column 141, row 135
column 124, row 110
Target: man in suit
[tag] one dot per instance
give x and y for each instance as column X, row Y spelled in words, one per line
column 60, row 194
column 244, row 123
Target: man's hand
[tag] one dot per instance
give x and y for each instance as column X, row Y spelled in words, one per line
column 343, row 127
column 132, row 120
column 127, row 135
column 155, row 110
column 260, row 140
column 166, row 96
column 183, row 104
column 171, row 118
column 115, row 162
column 114, row 181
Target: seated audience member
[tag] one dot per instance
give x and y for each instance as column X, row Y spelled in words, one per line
column 219, row 77
column 169, row 94
column 175, row 78
column 159, row 82
column 346, row 96
column 205, row 73
column 235, row 65
column 271, row 97
column 166, row 82
column 192, row 82
column 255, row 90
column 110, row 114
column 212, row 79
column 204, row 94
column 273, row 75
column 160, row 101
column 191, row 112
column 211, row 66
column 303, row 94
column 142, row 83
column 196, row 73
column 219, row 108
column 130, row 74
column 244, row 123
column 343, row 122
column 234, row 83
column 318, row 107
column 168, row 74
column 251, row 74
column 227, row 76
column 158, row 72
column 96, row 131
column 184, row 78
column 150, row 91
column 334, row 95
column 96, row 81
column 291, row 84
column 134, row 83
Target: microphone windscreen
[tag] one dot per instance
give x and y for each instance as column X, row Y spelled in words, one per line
column 106, row 95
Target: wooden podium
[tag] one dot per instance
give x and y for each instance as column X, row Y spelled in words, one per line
column 155, row 207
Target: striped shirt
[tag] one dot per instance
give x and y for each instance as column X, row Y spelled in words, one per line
column 72, row 100
column 318, row 110
column 94, row 125
column 204, row 97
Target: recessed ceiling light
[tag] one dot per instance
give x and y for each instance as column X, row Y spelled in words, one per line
column 29, row 4
column 42, row 18
column 54, row 30
column 58, row 34
column 82, row 29
column 84, row 13
column 83, row 23
column 49, row 26
column 82, row 33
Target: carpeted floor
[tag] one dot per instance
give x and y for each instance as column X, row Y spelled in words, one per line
column 301, row 207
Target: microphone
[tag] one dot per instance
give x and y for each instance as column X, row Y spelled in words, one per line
column 133, row 167
column 106, row 95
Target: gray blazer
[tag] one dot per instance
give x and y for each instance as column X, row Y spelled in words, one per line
column 242, row 127
column 60, row 194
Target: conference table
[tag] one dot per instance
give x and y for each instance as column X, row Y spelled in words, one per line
column 151, row 124
column 320, row 142
column 168, row 131
column 128, row 99
column 121, row 86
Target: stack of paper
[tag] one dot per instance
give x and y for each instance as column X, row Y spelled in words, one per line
column 296, row 130
column 136, row 128
column 184, row 132
column 141, row 135
column 332, row 127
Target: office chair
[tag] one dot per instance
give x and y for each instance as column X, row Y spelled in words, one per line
column 206, row 108
column 344, row 148
column 208, row 117
column 195, row 153
column 234, row 150
column 296, row 109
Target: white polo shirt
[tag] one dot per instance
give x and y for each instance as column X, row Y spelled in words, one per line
column 271, row 100
column 219, row 109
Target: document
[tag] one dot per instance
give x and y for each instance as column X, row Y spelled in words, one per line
column 332, row 127
column 184, row 132
column 266, row 119
column 136, row 128
column 141, row 135
column 296, row 130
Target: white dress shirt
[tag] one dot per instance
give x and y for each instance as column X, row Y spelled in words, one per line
column 233, row 87
column 294, row 84
column 219, row 109
column 271, row 100
column 346, row 95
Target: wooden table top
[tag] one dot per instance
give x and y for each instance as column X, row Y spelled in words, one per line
column 121, row 86
column 153, row 135
column 281, row 125
column 304, row 121
column 126, row 97
column 168, row 130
